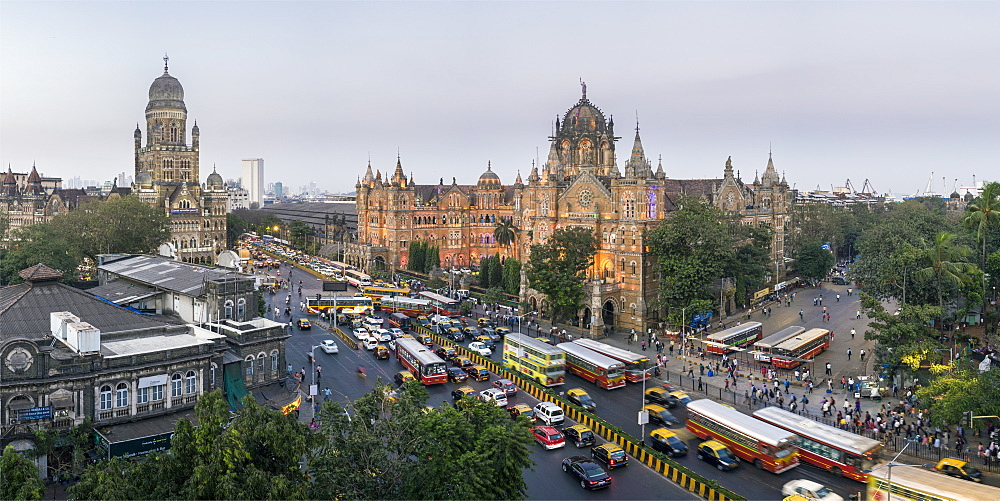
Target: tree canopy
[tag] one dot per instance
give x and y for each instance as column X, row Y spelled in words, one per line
column 813, row 261
column 19, row 477
column 556, row 268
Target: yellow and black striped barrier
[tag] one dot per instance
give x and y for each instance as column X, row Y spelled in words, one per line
column 348, row 339
column 675, row 472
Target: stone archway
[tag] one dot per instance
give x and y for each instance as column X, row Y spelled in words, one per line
column 533, row 304
column 608, row 313
column 585, row 321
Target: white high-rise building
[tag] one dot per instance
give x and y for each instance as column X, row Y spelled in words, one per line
column 253, row 179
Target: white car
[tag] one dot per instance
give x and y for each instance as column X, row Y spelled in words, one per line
column 396, row 332
column 809, row 490
column 373, row 323
column 494, row 395
column 385, row 335
column 371, row 343
column 329, row 346
column 480, row 348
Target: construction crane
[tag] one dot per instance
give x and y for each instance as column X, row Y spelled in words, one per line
column 867, row 189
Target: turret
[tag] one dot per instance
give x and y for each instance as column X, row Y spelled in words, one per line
column 195, row 135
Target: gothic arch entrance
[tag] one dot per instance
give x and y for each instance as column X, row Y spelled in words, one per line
column 533, row 304
column 585, row 323
column 608, row 313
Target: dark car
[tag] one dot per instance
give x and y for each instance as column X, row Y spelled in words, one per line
column 589, row 473
column 446, row 352
column 507, row 386
column 488, row 331
column 580, row 397
column 718, row 455
column 667, row 442
column 580, row 434
column 660, row 396
column 610, row 454
column 457, row 375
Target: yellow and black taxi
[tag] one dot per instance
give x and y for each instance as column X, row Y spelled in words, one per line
column 356, row 324
column 488, row 341
column 381, row 352
column 519, row 410
column 464, row 391
column 503, row 331
column 304, row 324
column 456, row 375
column 659, row 414
column 580, row 434
column 341, row 319
column 580, row 397
column 470, row 332
column 423, row 320
column 610, row 454
column 403, row 376
column 484, row 322
column 425, row 340
column 446, row 352
column 667, row 442
column 718, row 455
column 682, row 398
column 660, row 396
column 461, row 361
column 454, row 333
column 589, row 473
column 478, row 372
column 958, row 468
column 548, row 437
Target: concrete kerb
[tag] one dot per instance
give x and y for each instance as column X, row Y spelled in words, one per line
column 673, row 472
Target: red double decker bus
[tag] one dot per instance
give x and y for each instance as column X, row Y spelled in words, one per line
column 636, row 366
column 423, row 363
column 442, row 305
column 766, row 446
column 603, row 371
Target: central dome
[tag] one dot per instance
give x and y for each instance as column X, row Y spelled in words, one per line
column 584, row 117
column 489, row 179
column 166, row 92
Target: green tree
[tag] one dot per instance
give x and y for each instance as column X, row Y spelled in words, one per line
column 983, row 214
column 943, row 263
column 496, row 272
column 904, row 337
column 432, row 259
column 950, row 396
column 813, row 261
column 512, row 276
column 493, row 296
column 299, row 233
column 19, row 477
column 485, row 275
column 556, row 268
column 236, row 226
column 505, row 234
column 39, row 243
column 751, row 263
column 417, row 256
column 125, row 225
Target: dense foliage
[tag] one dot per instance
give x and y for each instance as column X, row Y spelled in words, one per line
column 556, row 268
column 422, row 257
column 19, row 477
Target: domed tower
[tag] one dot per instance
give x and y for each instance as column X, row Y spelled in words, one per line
column 166, row 155
column 584, row 140
column 489, row 189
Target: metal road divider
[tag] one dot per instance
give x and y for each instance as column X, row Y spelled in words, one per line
column 703, row 487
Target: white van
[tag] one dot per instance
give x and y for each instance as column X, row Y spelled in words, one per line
column 550, row 413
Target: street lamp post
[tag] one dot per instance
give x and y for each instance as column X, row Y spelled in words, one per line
column 642, row 399
column 312, row 369
column 892, row 464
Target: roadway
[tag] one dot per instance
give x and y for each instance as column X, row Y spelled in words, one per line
column 545, row 480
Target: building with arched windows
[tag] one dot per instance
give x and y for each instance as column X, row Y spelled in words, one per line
column 579, row 184
column 167, row 173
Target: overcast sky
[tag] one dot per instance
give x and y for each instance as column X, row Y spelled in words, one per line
column 886, row 91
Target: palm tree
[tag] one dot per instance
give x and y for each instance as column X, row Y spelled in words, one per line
column 944, row 262
column 506, row 233
column 984, row 214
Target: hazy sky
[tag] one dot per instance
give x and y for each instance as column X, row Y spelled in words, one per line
column 886, row 91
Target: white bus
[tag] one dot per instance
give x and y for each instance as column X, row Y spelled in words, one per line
column 357, row 278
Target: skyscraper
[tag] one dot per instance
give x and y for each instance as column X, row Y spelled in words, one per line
column 253, row 179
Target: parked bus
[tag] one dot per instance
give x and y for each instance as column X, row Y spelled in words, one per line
column 636, row 366
column 805, row 346
column 603, row 371
column 326, row 303
column 423, row 363
column 357, row 278
column 376, row 292
column 342, row 267
column 766, row 446
column 406, row 306
column 399, row 320
column 738, row 336
column 838, row 451
column 539, row 361
column 917, row 484
column 442, row 305
column 764, row 347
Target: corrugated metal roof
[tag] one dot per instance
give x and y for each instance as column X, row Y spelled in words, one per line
column 122, row 292
column 165, row 273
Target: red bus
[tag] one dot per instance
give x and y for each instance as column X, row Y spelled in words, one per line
column 636, row 366
column 407, row 306
column 805, row 346
column 442, row 305
column 763, row 349
column 738, row 336
column 603, row 371
column 426, row 366
column 766, row 446
column 832, row 449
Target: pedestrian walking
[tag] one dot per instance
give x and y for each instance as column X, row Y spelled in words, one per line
column 643, row 345
column 859, row 315
column 829, row 371
column 319, row 372
column 848, row 354
column 853, row 332
column 800, row 314
column 862, row 355
column 838, row 298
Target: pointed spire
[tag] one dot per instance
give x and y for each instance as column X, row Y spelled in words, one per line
column 783, row 182
column 637, row 165
column 398, row 177
column 552, row 163
column 770, row 173
column 517, row 180
column 369, row 176
column 660, row 174
column 533, row 175
column 411, row 179
column 756, row 180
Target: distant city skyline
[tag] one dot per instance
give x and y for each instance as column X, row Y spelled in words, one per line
column 886, row 91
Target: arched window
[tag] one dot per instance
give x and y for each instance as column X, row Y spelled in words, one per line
column 628, row 202
column 175, row 385
column 229, row 309
column 249, row 365
column 652, row 206
column 105, row 397
column 633, row 267
column 211, row 376
column 189, row 383
column 121, row 395
column 544, row 209
column 260, row 363
column 622, row 266
column 241, row 309
column 274, row 360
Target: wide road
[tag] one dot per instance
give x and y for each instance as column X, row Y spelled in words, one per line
column 545, row 480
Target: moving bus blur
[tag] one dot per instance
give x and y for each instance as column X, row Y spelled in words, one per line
column 918, row 484
column 805, row 346
column 762, row 349
column 636, row 366
column 442, row 305
column 407, row 306
column 423, row 363
column 376, row 292
column 326, row 304
column 357, row 278
column 537, row 360
column 766, row 446
column 341, row 267
column 738, row 336
column 603, row 371
column 838, row 451
column 399, row 320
